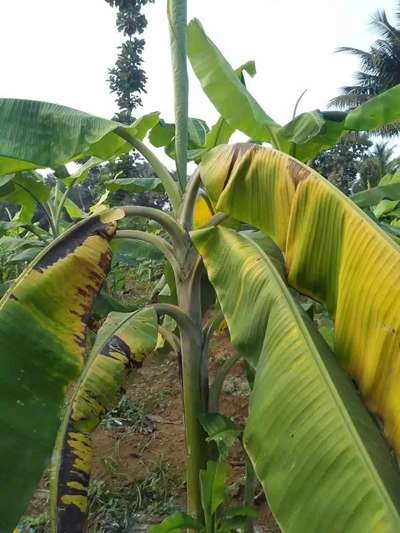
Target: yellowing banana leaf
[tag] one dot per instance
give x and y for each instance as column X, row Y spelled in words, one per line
column 321, row 459
column 121, row 345
column 202, row 213
column 60, row 134
column 43, row 320
column 224, row 88
column 333, row 252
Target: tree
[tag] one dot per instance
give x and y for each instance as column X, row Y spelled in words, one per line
column 379, row 162
column 341, row 163
column 127, row 78
column 379, row 67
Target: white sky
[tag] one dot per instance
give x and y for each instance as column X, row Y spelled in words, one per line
column 60, row 51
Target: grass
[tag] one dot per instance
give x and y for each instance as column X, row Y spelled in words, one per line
column 129, row 414
column 118, row 509
column 38, row 524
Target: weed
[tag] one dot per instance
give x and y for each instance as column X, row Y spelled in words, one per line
column 37, row 524
column 119, row 509
column 129, row 414
column 236, row 385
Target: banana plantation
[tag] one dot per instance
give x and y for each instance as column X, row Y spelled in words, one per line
column 265, row 296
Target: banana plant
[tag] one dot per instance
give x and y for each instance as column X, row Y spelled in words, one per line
column 310, row 436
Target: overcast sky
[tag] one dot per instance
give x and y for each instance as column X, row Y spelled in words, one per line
column 60, row 51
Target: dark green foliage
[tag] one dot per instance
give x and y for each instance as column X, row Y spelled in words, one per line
column 381, row 162
column 127, row 78
column 340, row 164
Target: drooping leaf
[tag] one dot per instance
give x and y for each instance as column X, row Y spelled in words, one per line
column 224, row 88
column 319, row 455
column 334, row 253
column 375, row 112
column 121, row 345
column 221, row 430
column 33, row 183
column 43, row 321
column 313, row 132
column 40, row 135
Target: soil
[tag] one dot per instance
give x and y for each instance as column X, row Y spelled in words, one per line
column 130, row 458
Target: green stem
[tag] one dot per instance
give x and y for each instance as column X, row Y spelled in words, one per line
column 177, row 18
column 62, row 202
column 166, row 221
column 297, row 103
column 188, row 317
column 164, row 246
column 249, row 492
column 208, row 332
column 189, row 200
column 218, row 383
column 169, row 184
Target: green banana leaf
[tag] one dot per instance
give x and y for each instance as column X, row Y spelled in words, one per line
column 333, row 252
column 79, row 175
column 26, row 189
column 321, row 459
column 43, row 321
column 313, row 132
column 224, row 88
column 121, row 345
column 375, row 112
column 60, row 134
column 375, row 195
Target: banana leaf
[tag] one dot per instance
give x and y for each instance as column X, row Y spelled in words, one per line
column 375, row 112
column 43, row 322
column 60, row 134
column 313, row 132
column 224, row 88
column 121, row 345
column 322, row 461
column 375, row 195
column 333, row 252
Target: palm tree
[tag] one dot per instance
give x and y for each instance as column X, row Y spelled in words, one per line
column 380, row 68
column 380, row 161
